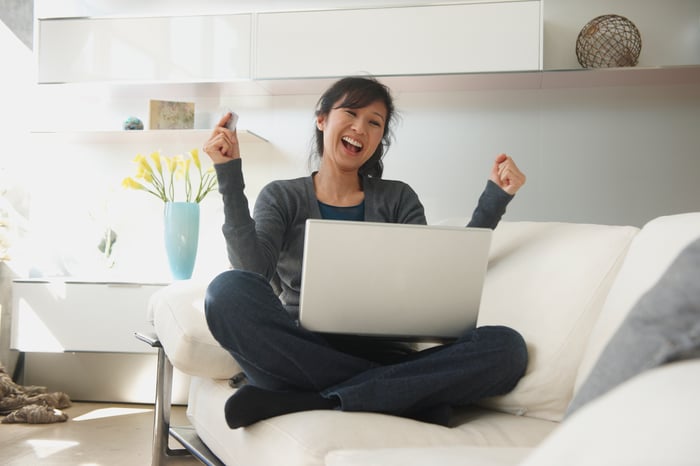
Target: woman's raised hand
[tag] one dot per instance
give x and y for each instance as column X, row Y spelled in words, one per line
column 222, row 145
column 506, row 174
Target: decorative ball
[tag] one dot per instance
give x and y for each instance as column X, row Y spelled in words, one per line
column 608, row 41
column 132, row 123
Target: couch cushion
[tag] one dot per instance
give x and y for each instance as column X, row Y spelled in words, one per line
column 178, row 318
column 663, row 326
column 304, row 438
column 651, row 419
column 444, row 456
column 548, row 281
column 650, row 254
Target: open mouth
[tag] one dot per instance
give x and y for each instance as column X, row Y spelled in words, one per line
column 351, row 144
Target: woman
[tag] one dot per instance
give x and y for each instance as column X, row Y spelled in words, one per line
column 252, row 310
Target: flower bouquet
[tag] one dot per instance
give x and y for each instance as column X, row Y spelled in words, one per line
column 181, row 219
column 161, row 182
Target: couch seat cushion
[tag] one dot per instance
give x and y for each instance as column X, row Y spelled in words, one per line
column 305, row 438
column 444, row 456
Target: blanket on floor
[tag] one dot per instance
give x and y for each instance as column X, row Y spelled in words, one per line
column 31, row 404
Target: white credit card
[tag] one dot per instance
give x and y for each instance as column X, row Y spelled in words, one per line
column 233, row 121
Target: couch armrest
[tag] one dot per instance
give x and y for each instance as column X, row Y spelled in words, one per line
column 177, row 313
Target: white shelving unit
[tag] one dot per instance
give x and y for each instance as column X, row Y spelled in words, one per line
column 414, row 47
column 181, row 136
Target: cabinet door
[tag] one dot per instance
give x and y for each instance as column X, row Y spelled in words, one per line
column 169, row 49
column 464, row 38
column 97, row 317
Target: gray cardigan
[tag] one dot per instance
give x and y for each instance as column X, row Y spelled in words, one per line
column 271, row 243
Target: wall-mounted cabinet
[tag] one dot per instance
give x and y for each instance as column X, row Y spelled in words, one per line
column 168, row 49
column 390, row 41
column 443, row 39
column 446, row 47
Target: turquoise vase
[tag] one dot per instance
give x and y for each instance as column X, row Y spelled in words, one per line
column 181, row 237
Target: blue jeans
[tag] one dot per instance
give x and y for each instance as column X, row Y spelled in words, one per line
column 276, row 353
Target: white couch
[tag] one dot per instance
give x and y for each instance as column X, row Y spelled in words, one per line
column 566, row 288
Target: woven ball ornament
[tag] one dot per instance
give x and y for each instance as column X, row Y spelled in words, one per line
column 608, row 41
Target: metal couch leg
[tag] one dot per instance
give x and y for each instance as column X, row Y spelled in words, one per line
column 161, row 416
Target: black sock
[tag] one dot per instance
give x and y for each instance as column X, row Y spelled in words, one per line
column 251, row 404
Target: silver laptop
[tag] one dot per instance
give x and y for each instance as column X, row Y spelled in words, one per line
column 392, row 280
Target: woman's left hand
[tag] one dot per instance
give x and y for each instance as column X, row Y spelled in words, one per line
column 506, row 174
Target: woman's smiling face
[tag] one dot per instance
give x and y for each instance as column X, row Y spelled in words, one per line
column 352, row 135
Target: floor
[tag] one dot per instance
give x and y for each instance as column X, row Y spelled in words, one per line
column 96, row 434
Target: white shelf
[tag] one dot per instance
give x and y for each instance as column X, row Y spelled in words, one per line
column 631, row 76
column 547, row 79
column 196, row 136
column 541, row 79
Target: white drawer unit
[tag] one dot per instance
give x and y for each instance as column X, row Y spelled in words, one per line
column 78, row 337
column 72, row 316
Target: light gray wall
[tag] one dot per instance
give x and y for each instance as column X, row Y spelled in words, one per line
column 599, row 155
column 616, row 155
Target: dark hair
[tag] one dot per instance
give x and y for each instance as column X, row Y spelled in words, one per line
column 357, row 92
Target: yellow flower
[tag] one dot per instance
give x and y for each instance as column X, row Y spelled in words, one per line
column 131, row 183
column 160, row 178
column 155, row 156
column 195, row 158
column 171, row 163
column 181, row 167
column 143, row 168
